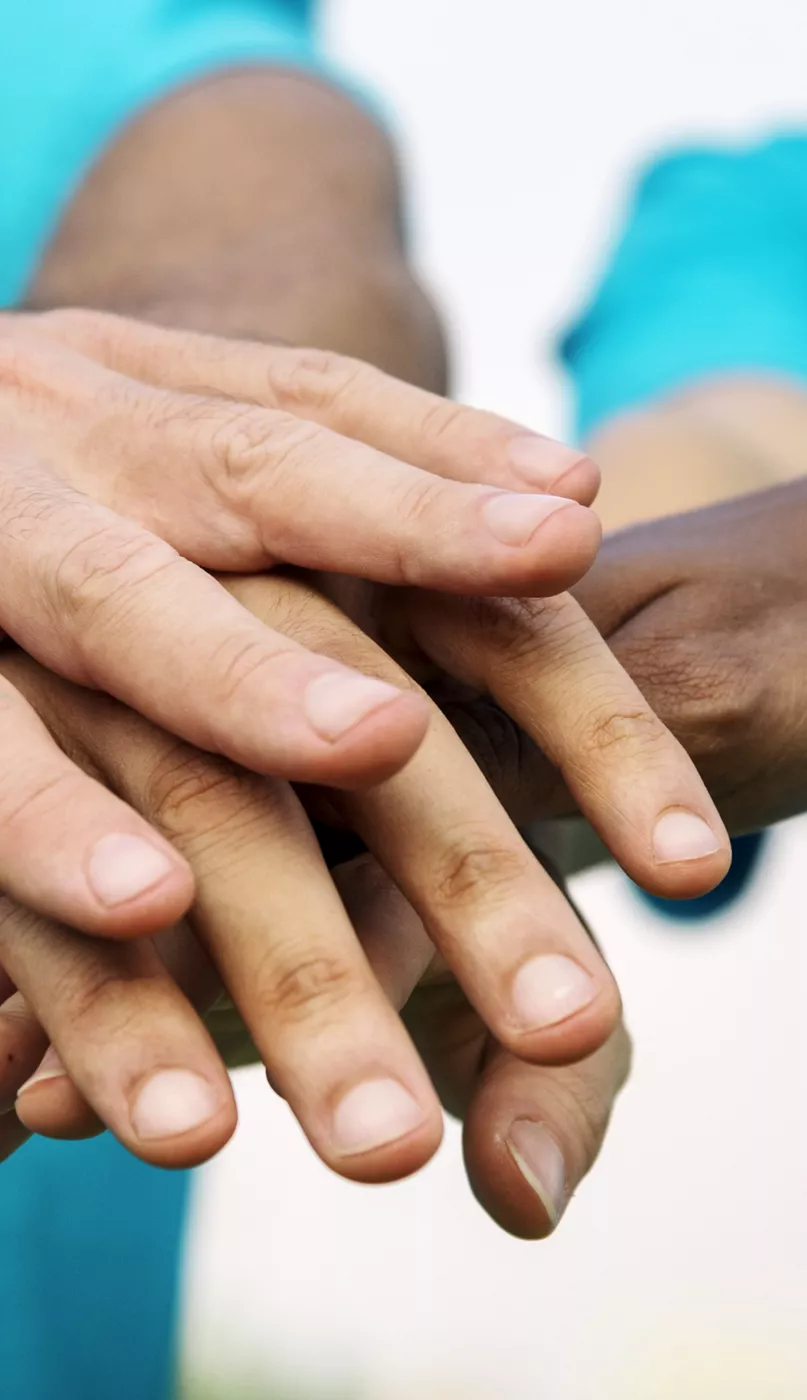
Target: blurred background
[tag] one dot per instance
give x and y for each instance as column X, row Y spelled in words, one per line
column 681, row 1267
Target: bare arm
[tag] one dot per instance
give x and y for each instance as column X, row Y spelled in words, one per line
column 719, row 439
column 261, row 204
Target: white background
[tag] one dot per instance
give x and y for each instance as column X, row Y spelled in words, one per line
column 681, row 1269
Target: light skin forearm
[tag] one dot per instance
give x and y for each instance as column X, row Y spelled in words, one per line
column 259, row 204
column 720, row 439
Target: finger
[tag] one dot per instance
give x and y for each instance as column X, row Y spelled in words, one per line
column 239, row 487
column 531, row 1133
column 271, row 488
column 97, row 599
column 393, row 937
column 352, row 398
column 68, row 847
column 129, row 1041
column 50, row 1105
column 13, row 1135
column 47, row 1100
column 330, row 1041
column 508, row 934
column 22, row 1045
column 546, row 665
column 512, row 940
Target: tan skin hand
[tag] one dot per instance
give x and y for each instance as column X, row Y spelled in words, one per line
column 531, row 1133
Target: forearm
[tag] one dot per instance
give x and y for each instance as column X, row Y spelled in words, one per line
column 260, row 204
column 718, row 440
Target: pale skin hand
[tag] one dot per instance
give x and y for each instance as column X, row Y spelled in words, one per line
column 128, row 467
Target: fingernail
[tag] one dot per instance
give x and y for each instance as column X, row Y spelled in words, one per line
column 335, row 702
column 172, row 1102
column 373, row 1114
column 49, row 1067
column 683, row 836
column 121, row 867
column 541, row 461
column 513, row 518
column 540, row 1161
column 549, row 989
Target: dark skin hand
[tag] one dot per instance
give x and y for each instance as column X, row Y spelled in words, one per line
column 707, row 613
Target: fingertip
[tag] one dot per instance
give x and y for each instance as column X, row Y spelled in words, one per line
column 179, row 1117
column 394, row 1161
column 568, row 541
column 521, row 1184
column 556, row 555
column 690, row 856
column 378, row 748
column 564, row 1013
column 580, row 482
column 54, row 1108
column 381, row 1131
column 138, row 885
column 546, row 465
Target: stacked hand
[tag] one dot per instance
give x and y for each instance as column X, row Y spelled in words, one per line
column 137, row 460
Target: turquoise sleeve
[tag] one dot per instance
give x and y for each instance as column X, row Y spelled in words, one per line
column 709, row 277
column 74, row 71
column 90, row 1259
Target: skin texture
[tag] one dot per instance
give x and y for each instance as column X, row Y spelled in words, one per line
column 709, row 612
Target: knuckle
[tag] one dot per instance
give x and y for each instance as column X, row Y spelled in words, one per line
column 80, row 327
column 253, row 446
column 27, row 368
column 315, row 983
column 238, row 665
column 443, row 418
column 31, row 801
column 517, row 628
column 98, row 581
column 421, row 498
column 191, row 791
column 103, row 1004
column 317, row 380
column 471, row 869
column 613, row 731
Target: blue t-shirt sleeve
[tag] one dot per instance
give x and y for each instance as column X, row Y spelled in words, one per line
column 709, row 277
column 73, row 71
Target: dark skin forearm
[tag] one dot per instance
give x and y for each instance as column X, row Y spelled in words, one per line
column 259, row 204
